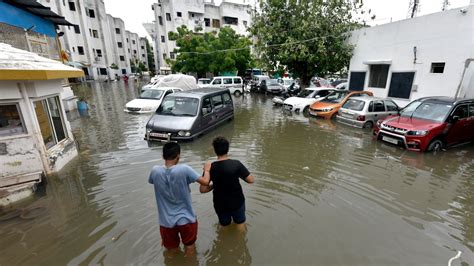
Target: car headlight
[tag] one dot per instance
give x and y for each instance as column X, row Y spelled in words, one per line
column 417, row 132
column 327, row 109
column 183, row 133
column 379, row 123
column 148, row 108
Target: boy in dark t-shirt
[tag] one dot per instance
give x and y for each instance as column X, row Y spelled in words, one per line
column 228, row 197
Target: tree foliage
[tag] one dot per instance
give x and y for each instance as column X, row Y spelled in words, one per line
column 210, row 52
column 313, row 35
column 150, row 57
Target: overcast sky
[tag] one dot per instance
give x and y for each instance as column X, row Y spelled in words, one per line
column 137, row 12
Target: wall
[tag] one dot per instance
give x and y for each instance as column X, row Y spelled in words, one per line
column 441, row 37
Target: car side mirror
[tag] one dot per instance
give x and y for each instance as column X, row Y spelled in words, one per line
column 455, row 119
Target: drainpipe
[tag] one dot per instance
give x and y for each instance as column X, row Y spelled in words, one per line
column 36, row 133
column 466, row 66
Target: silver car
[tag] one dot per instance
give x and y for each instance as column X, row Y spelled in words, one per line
column 364, row 111
column 273, row 86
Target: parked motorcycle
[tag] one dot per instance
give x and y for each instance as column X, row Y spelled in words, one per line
column 293, row 90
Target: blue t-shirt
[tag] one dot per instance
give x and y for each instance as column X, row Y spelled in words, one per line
column 172, row 193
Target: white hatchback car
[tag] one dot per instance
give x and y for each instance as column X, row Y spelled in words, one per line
column 306, row 98
column 149, row 100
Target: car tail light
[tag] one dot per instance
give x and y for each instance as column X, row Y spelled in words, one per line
column 361, row 118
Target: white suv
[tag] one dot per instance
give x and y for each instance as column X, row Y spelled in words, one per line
column 235, row 84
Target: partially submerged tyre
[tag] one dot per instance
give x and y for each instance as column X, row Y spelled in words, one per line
column 237, row 93
column 435, row 145
column 368, row 124
column 306, row 110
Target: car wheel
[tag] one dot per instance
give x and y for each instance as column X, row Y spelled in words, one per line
column 368, row 124
column 237, row 93
column 435, row 145
column 306, row 110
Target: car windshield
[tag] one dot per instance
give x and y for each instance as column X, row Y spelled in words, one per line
column 151, row 94
column 305, row 93
column 204, row 81
column 426, row 110
column 178, row 106
column 353, row 104
column 335, row 97
column 288, row 81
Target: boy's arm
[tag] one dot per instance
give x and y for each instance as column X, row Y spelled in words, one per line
column 249, row 179
column 206, row 177
column 205, row 189
column 245, row 174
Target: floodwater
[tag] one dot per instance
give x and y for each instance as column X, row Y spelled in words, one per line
column 325, row 194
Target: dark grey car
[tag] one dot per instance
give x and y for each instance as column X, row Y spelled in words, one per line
column 188, row 114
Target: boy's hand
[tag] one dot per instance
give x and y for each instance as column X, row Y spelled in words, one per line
column 207, row 166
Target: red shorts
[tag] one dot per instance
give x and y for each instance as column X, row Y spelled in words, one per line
column 170, row 236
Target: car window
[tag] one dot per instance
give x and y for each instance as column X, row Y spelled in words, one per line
column 217, row 82
column 227, row 99
column 217, row 101
column 168, row 92
column 227, row 81
column 391, row 106
column 237, row 81
column 206, row 106
column 371, row 107
column 461, row 111
column 354, row 104
column 322, row 93
column 378, row 106
column 471, row 109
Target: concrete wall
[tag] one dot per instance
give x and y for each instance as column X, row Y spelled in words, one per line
column 441, row 37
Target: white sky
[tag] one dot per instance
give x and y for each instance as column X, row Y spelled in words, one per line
column 137, row 12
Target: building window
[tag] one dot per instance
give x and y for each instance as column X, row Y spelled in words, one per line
column 162, row 38
column 143, row 47
column 72, row 6
column 216, row 23
column 64, row 2
column 91, row 13
column 122, row 58
column 103, row 71
column 77, row 29
column 133, row 41
column 378, row 76
column 95, row 34
column 143, row 55
column 80, row 50
column 245, row 23
column 119, row 44
column 117, row 30
column 178, row 14
column 99, row 52
column 437, row 67
column 73, row 49
column 11, row 122
column 127, row 40
column 128, row 50
column 171, row 55
column 124, row 71
column 168, row 16
column 401, row 85
column 164, row 56
column 50, row 120
column 160, row 20
column 135, row 51
column 231, row 20
column 207, row 22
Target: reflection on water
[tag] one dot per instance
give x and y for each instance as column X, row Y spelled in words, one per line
column 325, row 194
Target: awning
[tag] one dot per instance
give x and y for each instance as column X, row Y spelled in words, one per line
column 38, row 9
column 378, row 62
column 78, row 64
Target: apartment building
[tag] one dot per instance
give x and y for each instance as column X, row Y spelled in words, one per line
column 195, row 14
column 97, row 42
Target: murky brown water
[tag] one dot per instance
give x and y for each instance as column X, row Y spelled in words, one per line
column 325, row 194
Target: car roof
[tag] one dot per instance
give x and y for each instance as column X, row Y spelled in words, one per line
column 445, row 100
column 367, row 98
column 198, row 93
column 228, row 77
column 319, row 89
column 162, row 88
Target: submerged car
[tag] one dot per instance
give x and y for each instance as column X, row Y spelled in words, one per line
column 329, row 106
column 429, row 124
column 189, row 114
column 149, row 100
column 364, row 112
column 203, row 82
column 305, row 98
column 273, row 86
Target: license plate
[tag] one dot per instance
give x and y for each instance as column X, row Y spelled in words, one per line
column 313, row 113
column 158, row 135
column 390, row 140
column 347, row 115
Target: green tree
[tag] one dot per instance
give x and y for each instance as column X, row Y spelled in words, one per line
column 306, row 38
column 150, row 57
column 202, row 53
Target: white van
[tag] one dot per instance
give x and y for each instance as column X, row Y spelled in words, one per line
column 235, row 84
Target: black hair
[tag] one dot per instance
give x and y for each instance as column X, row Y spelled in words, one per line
column 171, row 150
column 221, row 146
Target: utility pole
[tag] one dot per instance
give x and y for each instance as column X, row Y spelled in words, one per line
column 445, row 5
column 413, row 8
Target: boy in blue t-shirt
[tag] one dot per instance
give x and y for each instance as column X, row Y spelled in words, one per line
column 175, row 212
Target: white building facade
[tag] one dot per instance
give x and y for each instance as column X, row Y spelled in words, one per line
column 195, row 15
column 430, row 55
column 93, row 43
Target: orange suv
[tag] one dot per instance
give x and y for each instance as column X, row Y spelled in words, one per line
column 329, row 106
